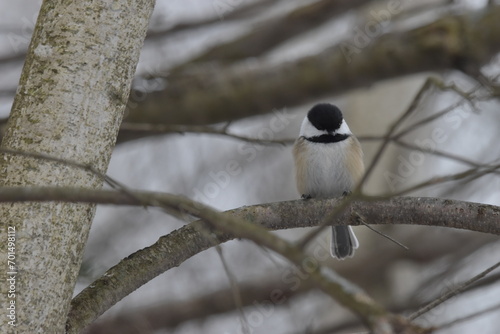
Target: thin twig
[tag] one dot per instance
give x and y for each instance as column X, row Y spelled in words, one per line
column 199, row 129
column 452, row 293
column 468, row 317
column 86, row 167
column 386, row 236
column 40, row 156
column 415, row 126
column 106, row 178
column 468, row 175
column 438, row 153
column 466, row 97
column 387, row 138
column 391, row 136
column 362, row 221
column 235, row 290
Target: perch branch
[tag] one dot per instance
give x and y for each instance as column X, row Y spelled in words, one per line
column 175, row 248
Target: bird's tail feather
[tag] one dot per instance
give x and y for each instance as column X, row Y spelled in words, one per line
column 344, row 242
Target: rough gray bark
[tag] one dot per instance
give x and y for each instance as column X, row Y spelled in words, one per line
column 70, row 103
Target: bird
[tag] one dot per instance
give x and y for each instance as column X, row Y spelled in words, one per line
column 329, row 163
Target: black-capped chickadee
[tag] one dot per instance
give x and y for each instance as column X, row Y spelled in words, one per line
column 329, row 163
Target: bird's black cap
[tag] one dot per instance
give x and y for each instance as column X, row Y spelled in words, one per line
column 325, row 117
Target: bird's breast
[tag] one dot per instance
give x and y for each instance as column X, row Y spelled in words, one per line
column 326, row 170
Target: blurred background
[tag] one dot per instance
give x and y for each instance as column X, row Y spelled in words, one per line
column 254, row 68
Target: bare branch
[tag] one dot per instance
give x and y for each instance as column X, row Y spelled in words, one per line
column 383, row 234
column 466, row 97
column 277, row 30
column 179, row 204
column 429, row 82
column 371, row 313
column 467, row 175
column 67, row 162
column 442, row 154
column 244, row 10
column 468, row 317
column 173, row 249
column 272, row 291
column 452, row 42
column 426, row 211
column 235, row 290
column 140, row 129
column 453, row 292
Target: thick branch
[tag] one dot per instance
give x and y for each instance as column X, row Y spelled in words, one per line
column 277, row 30
column 171, row 314
column 465, row 42
column 173, row 249
column 370, row 312
column 270, row 292
column 293, row 214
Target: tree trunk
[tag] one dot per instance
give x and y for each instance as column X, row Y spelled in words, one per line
column 70, row 103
